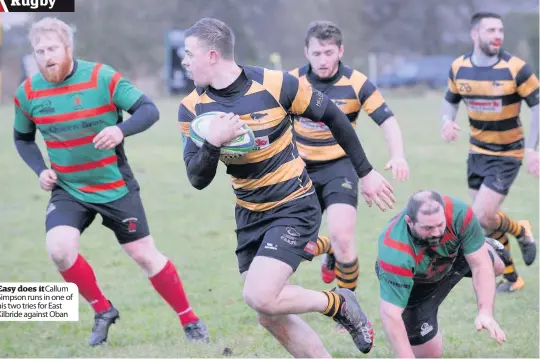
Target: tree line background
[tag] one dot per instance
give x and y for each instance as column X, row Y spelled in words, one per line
column 129, row 34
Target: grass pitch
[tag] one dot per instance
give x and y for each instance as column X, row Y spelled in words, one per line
column 195, row 230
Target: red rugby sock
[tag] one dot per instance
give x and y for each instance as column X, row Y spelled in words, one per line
column 82, row 274
column 168, row 284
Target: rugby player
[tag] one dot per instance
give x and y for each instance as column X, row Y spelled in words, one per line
column 331, row 171
column 424, row 251
column 492, row 83
column 277, row 212
column 77, row 107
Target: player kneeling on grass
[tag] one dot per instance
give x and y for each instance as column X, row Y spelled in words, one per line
column 424, row 252
column 77, row 107
column 277, row 212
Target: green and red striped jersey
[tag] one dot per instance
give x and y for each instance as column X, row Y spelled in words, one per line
column 69, row 115
column 402, row 262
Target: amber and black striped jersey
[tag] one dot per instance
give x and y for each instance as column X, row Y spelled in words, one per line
column 351, row 91
column 493, row 98
column 273, row 173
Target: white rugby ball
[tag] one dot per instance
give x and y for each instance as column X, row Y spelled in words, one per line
column 238, row 147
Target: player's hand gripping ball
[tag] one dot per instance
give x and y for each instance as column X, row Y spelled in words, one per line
column 235, row 139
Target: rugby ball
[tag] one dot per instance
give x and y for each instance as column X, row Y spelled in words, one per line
column 235, row 148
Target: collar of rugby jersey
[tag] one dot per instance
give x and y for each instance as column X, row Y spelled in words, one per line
column 237, row 88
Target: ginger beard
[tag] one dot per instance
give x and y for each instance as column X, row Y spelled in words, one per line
column 55, row 71
column 53, row 56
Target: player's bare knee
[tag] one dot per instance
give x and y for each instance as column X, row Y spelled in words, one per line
column 260, row 302
column 431, row 349
column 343, row 244
column 433, row 353
column 146, row 255
column 62, row 245
column 486, row 217
column 268, row 321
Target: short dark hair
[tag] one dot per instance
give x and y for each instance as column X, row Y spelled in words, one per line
column 421, row 198
column 479, row 16
column 324, row 30
column 216, row 34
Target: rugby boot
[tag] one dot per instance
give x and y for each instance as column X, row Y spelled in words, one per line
column 328, row 267
column 527, row 243
column 505, row 286
column 352, row 317
column 102, row 322
column 500, row 250
column 196, row 332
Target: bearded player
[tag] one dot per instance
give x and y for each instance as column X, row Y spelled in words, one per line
column 77, row 107
column 492, row 83
column 423, row 253
column 328, row 166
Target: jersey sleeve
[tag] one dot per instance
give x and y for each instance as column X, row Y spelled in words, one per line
column 373, row 103
column 122, row 92
column 395, row 273
column 185, row 116
column 23, row 121
column 468, row 228
column 527, row 85
column 452, row 94
column 301, row 99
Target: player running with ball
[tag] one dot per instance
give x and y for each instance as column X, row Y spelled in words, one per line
column 77, row 107
column 277, row 212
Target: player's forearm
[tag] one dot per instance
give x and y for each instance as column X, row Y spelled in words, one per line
column 393, row 137
column 29, row 151
column 483, row 280
column 201, row 165
column 449, row 111
column 346, row 137
column 532, row 139
column 397, row 335
column 143, row 115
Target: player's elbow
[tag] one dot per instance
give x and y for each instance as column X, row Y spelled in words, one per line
column 198, row 182
column 154, row 112
column 150, row 111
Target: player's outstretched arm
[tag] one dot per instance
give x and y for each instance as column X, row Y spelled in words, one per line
column 395, row 273
column 483, row 274
column 483, row 279
column 476, row 254
column 394, row 328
